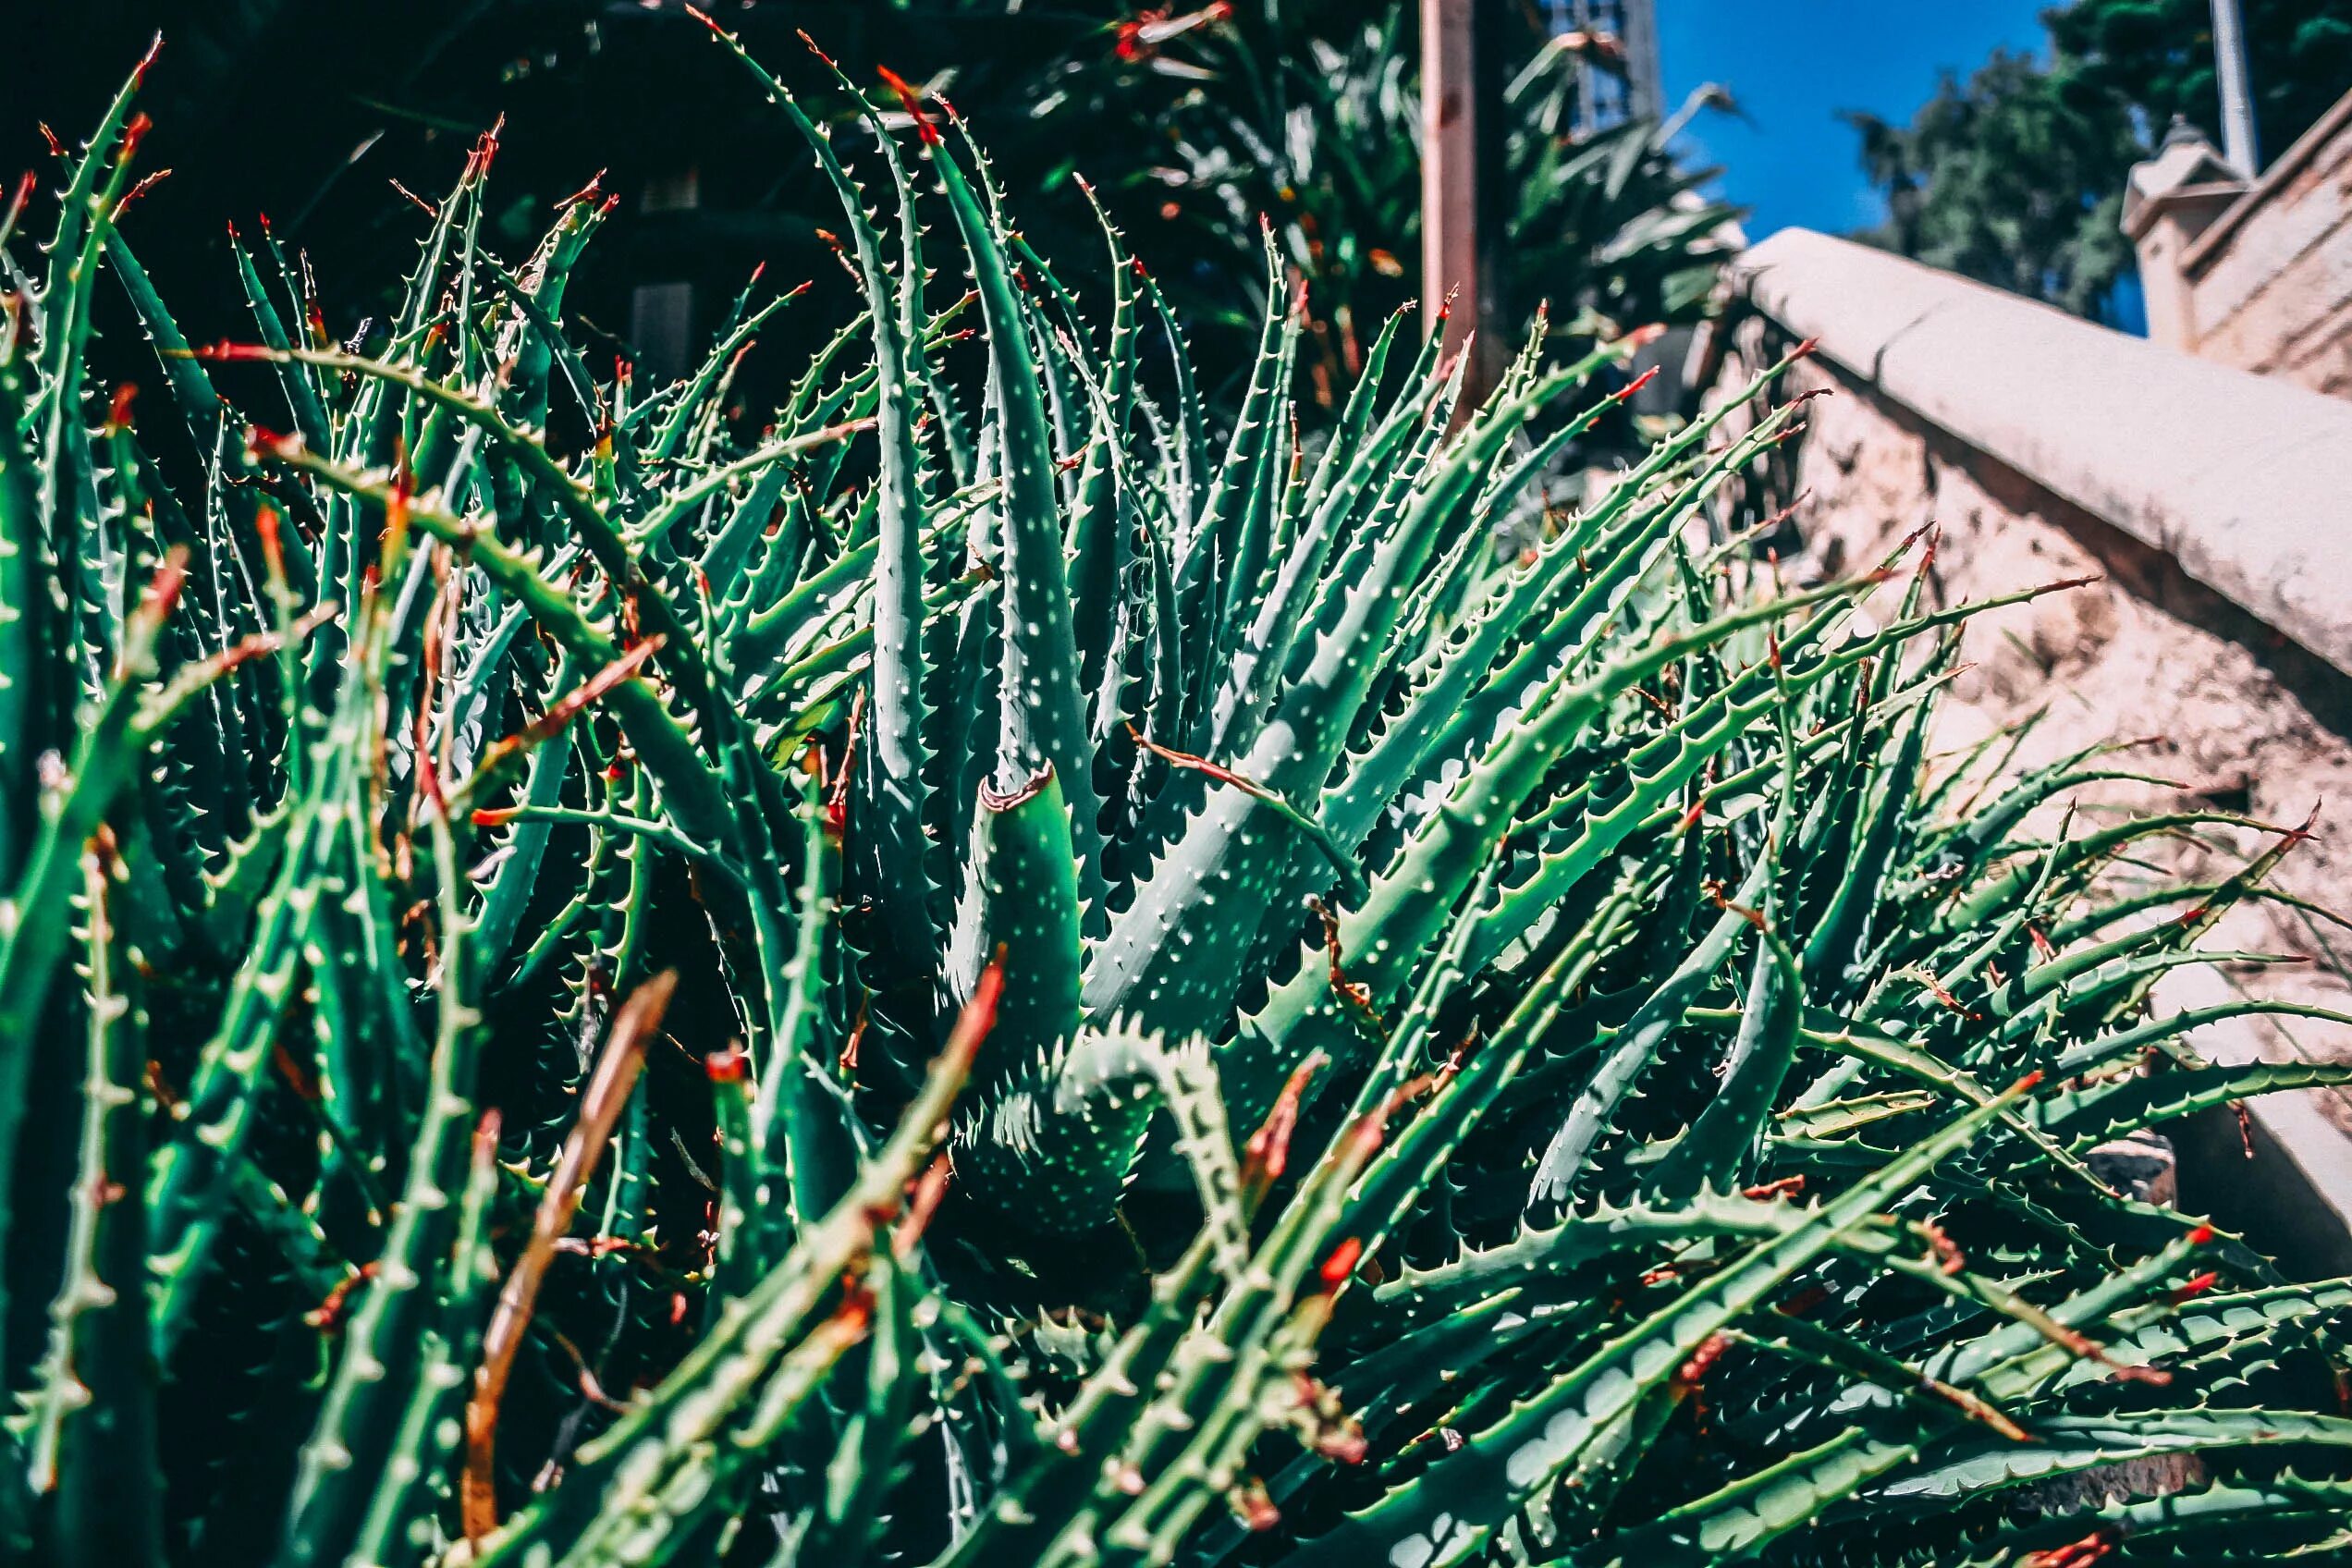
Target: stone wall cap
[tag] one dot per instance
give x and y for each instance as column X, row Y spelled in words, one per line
column 2242, row 479
column 2187, row 166
column 2140, row 213
column 2282, row 170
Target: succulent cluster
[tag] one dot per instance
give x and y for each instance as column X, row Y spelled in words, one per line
column 1003, row 973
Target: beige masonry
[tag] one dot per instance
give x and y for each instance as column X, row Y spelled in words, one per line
column 2215, row 506
column 2258, row 277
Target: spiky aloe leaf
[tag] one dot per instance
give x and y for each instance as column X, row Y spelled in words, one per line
column 1721, row 1143
column 1447, row 1513
column 1173, row 953
column 385, row 1355
column 92, row 1448
column 1020, row 909
column 24, row 599
column 1635, row 1049
column 31, row 948
column 745, row 1379
column 1043, row 714
column 894, row 787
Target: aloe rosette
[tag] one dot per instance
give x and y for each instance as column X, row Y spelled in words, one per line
column 1010, row 970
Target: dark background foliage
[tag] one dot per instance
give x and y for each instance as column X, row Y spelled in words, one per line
column 1189, row 128
column 2014, row 176
column 311, row 112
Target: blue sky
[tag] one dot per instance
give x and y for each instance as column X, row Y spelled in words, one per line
column 1792, row 65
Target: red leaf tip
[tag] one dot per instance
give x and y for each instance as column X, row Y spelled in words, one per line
column 813, row 49
column 911, row 98
column 1341, row 1263
column 1628, row 391
column 2197, row 1286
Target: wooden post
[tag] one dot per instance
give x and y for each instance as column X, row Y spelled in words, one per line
column 1461, row 181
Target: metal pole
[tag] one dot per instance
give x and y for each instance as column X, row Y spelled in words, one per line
column 1594, row 86
column 2238, row 99
column 1645, row 89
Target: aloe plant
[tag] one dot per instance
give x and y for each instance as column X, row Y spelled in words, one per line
column 1312, row 113
column 1003, row 973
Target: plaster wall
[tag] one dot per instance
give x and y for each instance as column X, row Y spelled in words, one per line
column 2269, row 285
column 2222, row 708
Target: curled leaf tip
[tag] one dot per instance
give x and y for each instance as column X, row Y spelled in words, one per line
column 993, row 799
column 813, row 48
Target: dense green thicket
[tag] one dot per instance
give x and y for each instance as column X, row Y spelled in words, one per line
column 991, row 972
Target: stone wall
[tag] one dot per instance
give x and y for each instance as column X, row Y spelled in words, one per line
column 2235, row 714
column 2268, row 284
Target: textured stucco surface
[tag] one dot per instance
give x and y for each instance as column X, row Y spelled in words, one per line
column 2215, row 701
column 2269, row 284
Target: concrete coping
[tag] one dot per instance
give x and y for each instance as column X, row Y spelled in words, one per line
column 2186, row 171
column 2244, row 481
